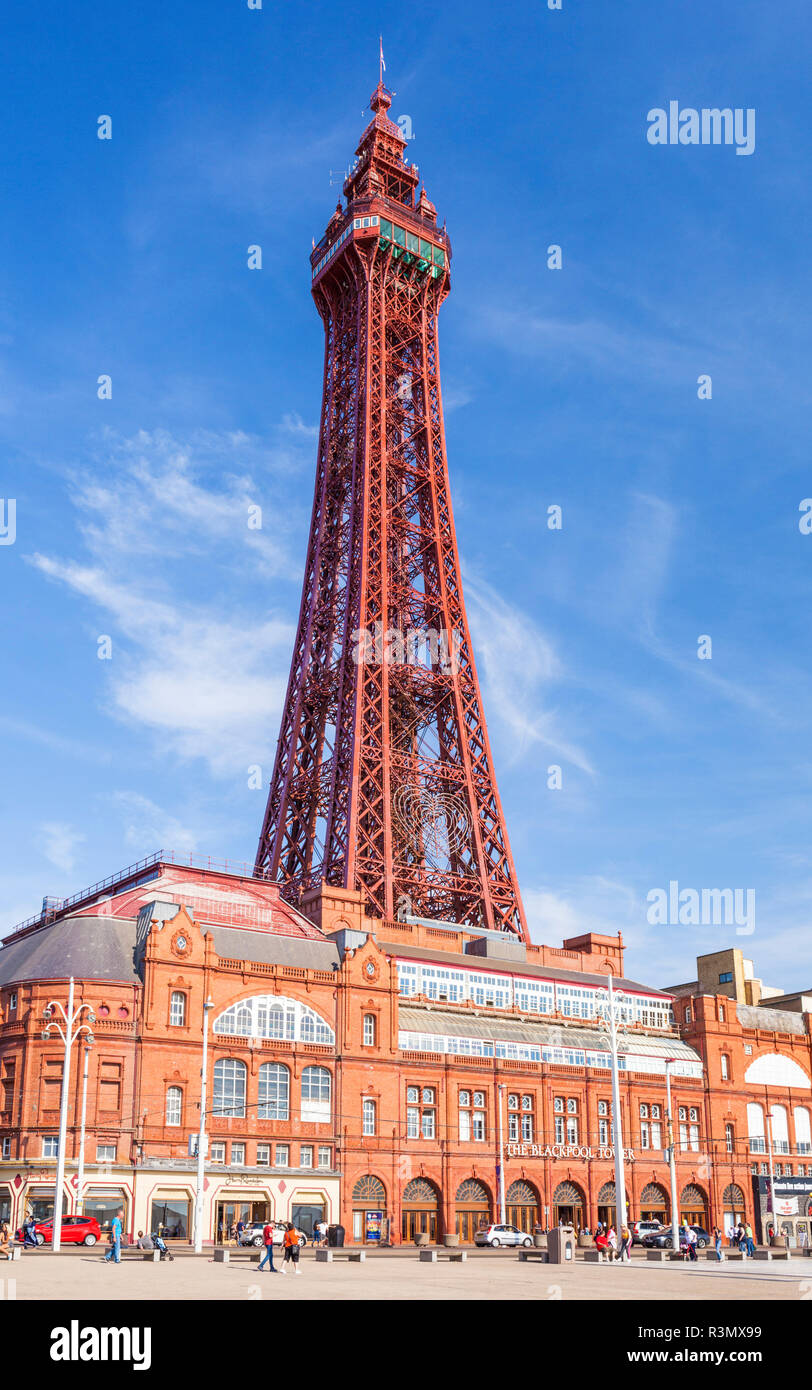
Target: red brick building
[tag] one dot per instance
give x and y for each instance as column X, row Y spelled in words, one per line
column 356, row 1069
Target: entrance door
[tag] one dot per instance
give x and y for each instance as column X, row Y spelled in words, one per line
column 469, row 1222
column 417, row 1220
column 229, row 1213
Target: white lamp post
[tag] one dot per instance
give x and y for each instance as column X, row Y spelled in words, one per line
column 671, row 1162
column 613, row 1016
column 502, row 1217
column 69, row 1033
column 201, row 1136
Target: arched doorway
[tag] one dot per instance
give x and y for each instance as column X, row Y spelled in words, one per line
column 654, row 1204
column 368, row 1210
column 732, row 1208
column 473, row 1208
column 693, row 1206
column 568, row 1205
column 606, row 1205
column 522, row 1205
column 420, row 1210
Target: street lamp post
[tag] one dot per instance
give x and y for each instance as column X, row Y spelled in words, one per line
column 201, row 1136
column 80, row 1176
column 620, row 1177
column 671, row 1163
column 772, row 1171
column 68, row 1034
column 502, row 1216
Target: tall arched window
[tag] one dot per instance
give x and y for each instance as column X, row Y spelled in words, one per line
column 177, row 1009
column 369, row 1030
column 779, row 1129
column 316, row 1095
column 803, row 1139
column 274, row 1092
column 174, row 1105
column 755, row 1128
column 229, row 1088
column 369, row 1117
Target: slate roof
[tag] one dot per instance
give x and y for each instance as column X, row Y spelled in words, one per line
column 493, row 965
column 268, row 949
column 90, row 948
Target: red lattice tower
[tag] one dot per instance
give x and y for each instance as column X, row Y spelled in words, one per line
column 383, row 778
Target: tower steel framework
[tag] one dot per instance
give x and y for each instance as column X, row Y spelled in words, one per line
column 383, row 779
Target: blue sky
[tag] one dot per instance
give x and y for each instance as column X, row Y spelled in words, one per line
column 576, row 387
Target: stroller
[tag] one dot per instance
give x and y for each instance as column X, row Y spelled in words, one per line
column 160, row 1244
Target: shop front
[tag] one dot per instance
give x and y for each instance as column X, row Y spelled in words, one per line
column 39, row 1202
column 170, row 1214
column 693, row 1206
column 104, row 1203
column 792, row 1216
column 733, row 1212
column 307, row 1209
column 231, row 1207
column 368, row 1210
column 6, row 1204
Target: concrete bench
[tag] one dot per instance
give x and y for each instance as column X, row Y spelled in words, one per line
column 224, row 1257
column 15, row 1252
column 327, row 1257
column 711, row 1255
column 543, row 1256
column 596, row 1257
column 736, row 1255
column 430, row 1257
column 659, row 1255
column 777, row 1254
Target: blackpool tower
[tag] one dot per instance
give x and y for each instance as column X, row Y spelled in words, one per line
column 383, row 780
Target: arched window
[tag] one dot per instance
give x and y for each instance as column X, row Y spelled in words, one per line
column 369, row 1030
column 229, row 1088
column 755, row 1128
column 177, row 1009
column 174, row 1105
column 370, row 1109
column 369, row 1189
column 803, row 1140
column 773, row 1069
column 274, row 1092
column 274, row 1016
column 472, row 1191
column 779, row 1128
column 316, row 1092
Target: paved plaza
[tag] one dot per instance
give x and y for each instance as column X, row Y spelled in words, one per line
column 398, row 1275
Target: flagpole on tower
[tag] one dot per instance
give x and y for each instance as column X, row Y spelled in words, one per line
column 382, row 68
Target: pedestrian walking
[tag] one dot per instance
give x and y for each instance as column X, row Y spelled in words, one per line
column 30, row 1232
column 690, row 1238
column 239, row 1230
column 717, row 1243
column 116, row 1228
column 291, row 1244
column 626, row 1244
column 748, row 1236
column 267, row 1241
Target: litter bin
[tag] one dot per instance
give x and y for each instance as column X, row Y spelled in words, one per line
column 561, row 1245
column 335, row 1235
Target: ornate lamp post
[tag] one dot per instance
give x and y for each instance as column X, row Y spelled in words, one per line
column 201, row 1136
column 613, row 1013
column 68, row 1031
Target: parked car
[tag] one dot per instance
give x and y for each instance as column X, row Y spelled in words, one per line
column 640, row 1229
column 662, row 1239
column 76, row 1230
column 252, row 1235
column 494, row 1236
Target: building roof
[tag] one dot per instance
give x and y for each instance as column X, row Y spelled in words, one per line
column 771, row 1020
column 267, row 949
column 428, row 1020
column 492, row 965
column 89, row 948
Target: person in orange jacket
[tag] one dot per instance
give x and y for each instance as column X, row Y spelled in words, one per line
column 290, row 1241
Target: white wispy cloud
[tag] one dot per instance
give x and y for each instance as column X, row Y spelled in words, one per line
column 60, row 842
column 148, row 828
column 519, row 666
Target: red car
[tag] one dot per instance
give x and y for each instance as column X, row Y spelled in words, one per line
column 76, row 1230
